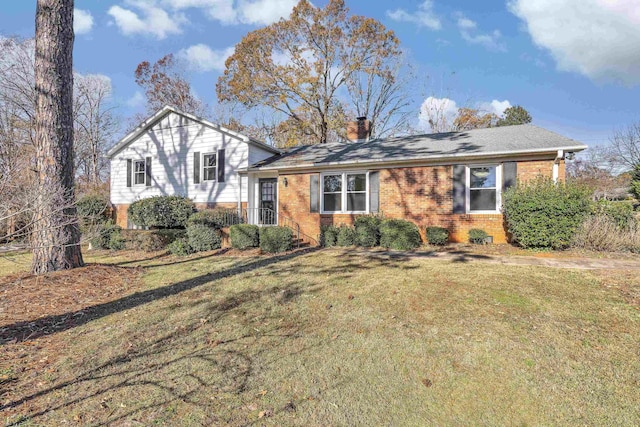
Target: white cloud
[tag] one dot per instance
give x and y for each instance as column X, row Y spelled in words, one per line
column 217, row 10
column 148, row 20
column 264, row 12
column 252, row 12
column 82, row 21
column 496, row 107
column 437, row 114
column 423, row 17
column 202, row 58
column 597, row 38
column 468, row 31
column 136, row 100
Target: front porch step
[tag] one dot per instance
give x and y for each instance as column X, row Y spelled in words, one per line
column 300, row 243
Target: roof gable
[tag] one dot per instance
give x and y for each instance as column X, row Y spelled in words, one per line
column 164, row 112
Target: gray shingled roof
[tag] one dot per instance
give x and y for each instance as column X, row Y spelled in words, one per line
column 498, row 141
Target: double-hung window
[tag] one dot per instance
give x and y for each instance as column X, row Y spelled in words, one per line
column 344, row 192
column 332, row 193
column 139, row 172
column 483, row 188
column 209, row 163
column 356, row 192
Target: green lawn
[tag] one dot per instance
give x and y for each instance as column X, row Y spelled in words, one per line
column 336, row 338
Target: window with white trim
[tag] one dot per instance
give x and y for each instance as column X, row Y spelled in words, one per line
column 139, row 172
column 484, row 188
column 345, row 192
column 209, row 162
column 356, row 192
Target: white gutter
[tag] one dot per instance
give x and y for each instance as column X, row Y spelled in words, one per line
column 240, row 194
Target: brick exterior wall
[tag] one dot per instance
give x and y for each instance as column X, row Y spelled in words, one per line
column 529, row 170
column 422, row 195
column 119, row 213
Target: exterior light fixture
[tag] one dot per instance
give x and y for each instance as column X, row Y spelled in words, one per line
column 285, row 181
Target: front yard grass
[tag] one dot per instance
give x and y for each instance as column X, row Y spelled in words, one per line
column 331, row 337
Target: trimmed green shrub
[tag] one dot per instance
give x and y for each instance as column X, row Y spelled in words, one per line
column 276, row 239
column 368, row 230
column 329, row 235
column 180, row 247
column 346, row 236
column 543, row 214
column 621, row 213
column 244, row 236
column 478, row 236
column 216, row 218
column 161, row 212
column 437, row 236
column 399, row 234
column 151, row 240
column 92, row 210
column 104, row 236
column 116, row 242
column 203, row 238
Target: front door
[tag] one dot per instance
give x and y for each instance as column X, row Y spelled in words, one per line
column 268, row 201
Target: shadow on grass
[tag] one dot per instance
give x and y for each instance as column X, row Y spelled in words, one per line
column 193, row 362
column 30, row 330
column 464, row 256
column 169, row 370
column 389, row 255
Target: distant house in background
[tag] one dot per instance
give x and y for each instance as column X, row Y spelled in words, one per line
column 454, row 180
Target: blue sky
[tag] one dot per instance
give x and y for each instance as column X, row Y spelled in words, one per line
column 575, row 65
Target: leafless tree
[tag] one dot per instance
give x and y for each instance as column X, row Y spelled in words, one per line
column 625, row 146
column 17, row 88
column 95, row 126
column 596, row 169
column 385, row 98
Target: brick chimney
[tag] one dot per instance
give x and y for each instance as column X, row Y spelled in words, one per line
column 359, row 131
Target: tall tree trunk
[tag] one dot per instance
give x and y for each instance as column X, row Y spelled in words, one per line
column 56, row 236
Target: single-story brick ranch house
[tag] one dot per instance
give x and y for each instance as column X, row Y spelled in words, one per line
column 454, row 180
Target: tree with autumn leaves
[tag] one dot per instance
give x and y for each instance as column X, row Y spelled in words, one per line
column 318, row 69
column 164, row 83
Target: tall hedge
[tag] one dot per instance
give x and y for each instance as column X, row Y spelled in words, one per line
column 543, row 214
column 161, row 212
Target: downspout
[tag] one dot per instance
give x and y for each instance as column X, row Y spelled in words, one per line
column 556, row 165
column 240, row 195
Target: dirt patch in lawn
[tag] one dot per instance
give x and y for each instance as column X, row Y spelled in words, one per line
column 33, row 306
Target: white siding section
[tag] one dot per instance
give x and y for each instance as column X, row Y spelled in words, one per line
column 257, row 154
column 171, row 143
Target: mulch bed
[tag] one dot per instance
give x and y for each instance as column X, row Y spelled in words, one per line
column 32, row 306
